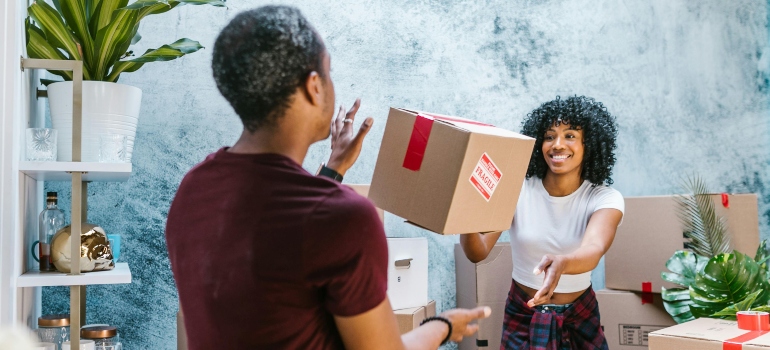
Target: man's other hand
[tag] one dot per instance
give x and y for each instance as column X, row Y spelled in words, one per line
column 345, row 144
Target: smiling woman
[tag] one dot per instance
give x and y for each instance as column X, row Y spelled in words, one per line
column 582, row 117
column 565, row 221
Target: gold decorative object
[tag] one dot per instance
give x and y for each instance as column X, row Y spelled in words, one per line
column 95, row 250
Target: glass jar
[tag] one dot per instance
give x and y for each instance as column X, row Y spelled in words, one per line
column 44, row 346
column 104, row 337
column 53, row 329
column 85, row 344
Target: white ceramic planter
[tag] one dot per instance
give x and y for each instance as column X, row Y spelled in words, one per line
column 107, row 108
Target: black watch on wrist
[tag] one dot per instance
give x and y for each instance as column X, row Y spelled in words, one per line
column 323, row 170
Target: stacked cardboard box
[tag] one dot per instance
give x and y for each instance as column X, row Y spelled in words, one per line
column 709, row 334
column 649, row 235
column 409, row 319
column 627, row 319
column 485, row 283
column 408, row 272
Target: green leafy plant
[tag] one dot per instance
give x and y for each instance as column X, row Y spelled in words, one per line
column 728, row 281
column 684, row 267
column 714, row 282
column 99, row 33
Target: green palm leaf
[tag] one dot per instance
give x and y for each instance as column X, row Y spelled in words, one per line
column 729, row 312
column 102, row 15
column 112, row 41
column 218, row 3
column 99, row 33
column 154, row 7
column 762, row 256
column 151, row 7
column 677, row 303
column 762, row 308
column 76, row 16
column 56, row 32
column 168, row 52
column 38, row 47
column 684, row 267
column 91, row 6
column 706, row 230
column 727, row 279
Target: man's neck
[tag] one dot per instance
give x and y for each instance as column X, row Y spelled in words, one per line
column 271, row 140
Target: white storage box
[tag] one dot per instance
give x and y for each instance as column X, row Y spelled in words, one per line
column 407, row 272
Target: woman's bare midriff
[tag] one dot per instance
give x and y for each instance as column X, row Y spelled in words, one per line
column 557, row 298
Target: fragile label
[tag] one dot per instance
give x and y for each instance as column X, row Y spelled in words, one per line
column 486, row 176
column 636, row 334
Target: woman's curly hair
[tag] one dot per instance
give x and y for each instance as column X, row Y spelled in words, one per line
column 599, row 133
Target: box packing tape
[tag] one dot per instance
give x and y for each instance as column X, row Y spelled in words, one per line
column 756, row 322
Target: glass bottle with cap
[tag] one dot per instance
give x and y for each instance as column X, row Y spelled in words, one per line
column 104, row 337
column 51, row 221
column 53, row 329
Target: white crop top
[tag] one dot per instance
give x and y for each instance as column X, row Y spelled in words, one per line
column 554, row 225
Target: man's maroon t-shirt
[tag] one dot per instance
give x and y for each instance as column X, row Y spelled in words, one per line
column 264, row 254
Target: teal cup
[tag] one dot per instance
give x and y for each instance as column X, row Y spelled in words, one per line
column 115, row 245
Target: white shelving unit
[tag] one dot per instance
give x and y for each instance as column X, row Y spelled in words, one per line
column 32, row 175
column 62, row 171
column 120, row 274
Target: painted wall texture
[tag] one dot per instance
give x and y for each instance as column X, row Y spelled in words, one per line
column 687, row 80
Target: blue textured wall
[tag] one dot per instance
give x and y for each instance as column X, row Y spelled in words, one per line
column 687, row 80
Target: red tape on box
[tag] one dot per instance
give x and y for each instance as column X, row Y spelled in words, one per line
column 418, row 142
column 725, row 200
column 647, row 293
column 757, row 323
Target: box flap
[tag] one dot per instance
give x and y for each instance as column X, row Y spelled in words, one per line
column 465, row 279
column 494, row 274
column 470, row 125
column 486, row 281
column 430, row 309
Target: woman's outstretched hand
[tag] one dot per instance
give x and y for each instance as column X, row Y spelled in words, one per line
column 553, row 267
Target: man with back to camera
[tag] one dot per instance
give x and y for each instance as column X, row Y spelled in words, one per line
column 264, row 254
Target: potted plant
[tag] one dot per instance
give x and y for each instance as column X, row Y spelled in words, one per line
column 99, row 33
column 715, row 281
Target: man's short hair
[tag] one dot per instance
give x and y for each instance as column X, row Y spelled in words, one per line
column 261, row 57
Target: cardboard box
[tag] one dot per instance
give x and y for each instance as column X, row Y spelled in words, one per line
column 651, row 232
column 364, row 191
column 449, row 175
column 705, row 334
column 409, row 319
column 484, row 284
column 407, row 272
column 627, row 322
